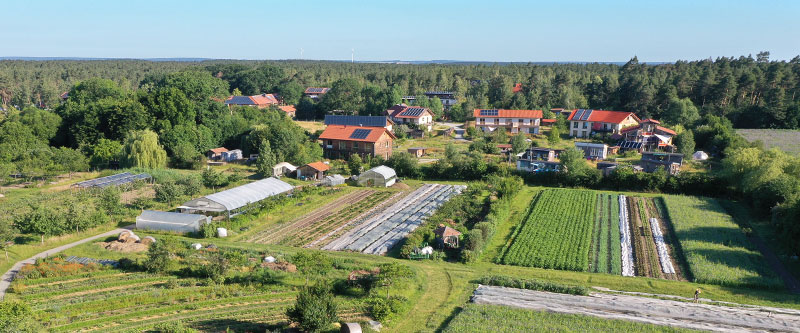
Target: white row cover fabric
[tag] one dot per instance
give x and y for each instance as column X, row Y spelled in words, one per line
column 241, row 196
column 168, row 221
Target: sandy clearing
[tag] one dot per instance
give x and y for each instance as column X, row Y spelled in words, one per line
column 642, row 309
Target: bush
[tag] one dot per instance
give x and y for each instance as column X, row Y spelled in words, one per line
column 473, row 240
column 16, row 316
column 173, row 327
column 314, row 310
column 158, row 258
column 382, row 309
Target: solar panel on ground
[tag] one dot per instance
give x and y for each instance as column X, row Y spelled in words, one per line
column 493, row 112
column 360, row 134
column 586, row 114
column 113, row 180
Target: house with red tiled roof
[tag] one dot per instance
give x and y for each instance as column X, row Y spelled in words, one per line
column 514, row 121
column 649, row 135
column 315, row 93
column 315, row 170
column 289, row 109
column 517, row 88
column 259, row 101
column 421, row 117
column 341, row 141
column 584, row 122
column 216, row 153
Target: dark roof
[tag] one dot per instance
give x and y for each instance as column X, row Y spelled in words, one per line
column 369, row 121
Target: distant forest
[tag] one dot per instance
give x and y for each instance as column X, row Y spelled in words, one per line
column 750, row 92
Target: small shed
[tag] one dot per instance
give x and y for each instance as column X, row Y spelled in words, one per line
column 215, row 154
column 505, row 148
column 315, row 170
column 417, row 151
column 593, row 150
column 606, row 167
column 333, row 180
column 380, row 176
column 283, row 169
column 446, row 236
column 168, row 221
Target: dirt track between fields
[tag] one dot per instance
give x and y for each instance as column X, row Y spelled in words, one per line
column 647, row 310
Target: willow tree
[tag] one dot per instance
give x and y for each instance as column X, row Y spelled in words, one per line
column 142, row 150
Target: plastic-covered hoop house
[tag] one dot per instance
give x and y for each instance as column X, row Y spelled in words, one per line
column 333, row 180
column 236, row 200
column 168, row 221
column 380, row 176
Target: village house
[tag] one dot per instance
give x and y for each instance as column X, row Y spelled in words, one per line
column 448, row 98
column 417, row 151
column 290, row 110
column 341, row 141
column 671, row 162
column 594, row 151
column 649, row 135
column 259, row 101
column 538, row 154
column 421, row 117
column 315, row 93
column 584, row 122
column 312, row 171
column 514, row 121
column 368, row 121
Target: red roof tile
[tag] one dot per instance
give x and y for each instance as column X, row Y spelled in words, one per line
column 219, row 150
column 287, row 108
column 319, row 166
column 548, row 121
column 503, row 113
column 343, row 132
column 665, row 130
column 395, row 109
column 517, row 88
column 603, row 116
column 650, row 120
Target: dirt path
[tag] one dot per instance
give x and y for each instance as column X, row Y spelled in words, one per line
column 646, row 310
column 8, row 276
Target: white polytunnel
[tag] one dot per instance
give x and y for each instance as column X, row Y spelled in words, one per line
column 236, row 200
column 168, row 221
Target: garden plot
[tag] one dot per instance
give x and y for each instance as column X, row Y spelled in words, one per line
column 380, row 233
column 646, row 310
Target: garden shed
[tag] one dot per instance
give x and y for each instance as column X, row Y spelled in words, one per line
column 315, row 171
column 236, row 200
column 380, row 176
column 446, row 236
column 168, row 221
column 283, row 169
column 333, row 180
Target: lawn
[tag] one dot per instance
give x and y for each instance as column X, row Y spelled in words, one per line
column 715, row 248
column 783, row 139
column 495, row 318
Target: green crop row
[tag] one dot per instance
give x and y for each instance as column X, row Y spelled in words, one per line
column 558, row 232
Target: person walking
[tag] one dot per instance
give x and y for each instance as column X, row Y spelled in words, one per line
column 697, row 295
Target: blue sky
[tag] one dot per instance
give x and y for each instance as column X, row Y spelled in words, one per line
column 407, row 30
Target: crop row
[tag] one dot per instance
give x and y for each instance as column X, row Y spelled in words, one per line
column 715, row 248
column 606, row 239
column 558, row 232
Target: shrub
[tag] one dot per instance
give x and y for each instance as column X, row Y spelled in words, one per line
column 16, row 316
column 530, row 284
column 173, row 327
column 315, row 308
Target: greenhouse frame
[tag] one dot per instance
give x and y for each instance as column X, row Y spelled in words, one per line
column 169, row 221
column 237, row 200
column 380, row 176
column 333, row 180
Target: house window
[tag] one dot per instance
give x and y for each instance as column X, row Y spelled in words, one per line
column 342, row 145
column 355, row 146
column 585, row 124
column 605, row 126
column 574, row 133
column 574, row 124
column 583, row 134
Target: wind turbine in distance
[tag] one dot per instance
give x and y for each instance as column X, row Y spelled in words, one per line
column 353, row 55
column 301, row 53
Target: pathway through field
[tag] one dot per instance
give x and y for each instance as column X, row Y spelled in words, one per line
column 646, row 310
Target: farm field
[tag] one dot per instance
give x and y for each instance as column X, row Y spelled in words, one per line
column 606, row 248
column 643, row 310
column 318, row 223
column 786, row 140
column 715, row 248
column 379, row 233
column 557, row 233
column 497, row 318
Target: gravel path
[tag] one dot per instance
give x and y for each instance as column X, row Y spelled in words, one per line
column 647, row 310
column 6, row 279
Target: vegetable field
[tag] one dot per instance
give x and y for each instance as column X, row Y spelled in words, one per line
column 606, row 255
column 715, row 248
column 557, row 233
column 378, row 234
column 317, row 224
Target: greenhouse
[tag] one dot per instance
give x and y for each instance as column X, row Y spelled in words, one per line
column 333, row 180
column 167, row 221
column 234, row 201
column 381, row 176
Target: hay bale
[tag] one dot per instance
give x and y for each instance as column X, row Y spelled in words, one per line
column 124, row 235
column 132, row 239
column 350, row 328
column 147, row 240
column 196, row 246
column 280, row 266
column 269, row 259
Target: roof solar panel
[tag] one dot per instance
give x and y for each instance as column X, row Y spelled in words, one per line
column 413, row 112
column 360, row 134
column 586, row 114
column 492, row 112
column 578, row 114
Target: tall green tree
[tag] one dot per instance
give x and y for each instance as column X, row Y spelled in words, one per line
column 266, row 159
column 142, row 150
column 354, row 164
column 684, row 142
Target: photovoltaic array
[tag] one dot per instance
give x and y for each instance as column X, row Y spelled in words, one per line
column 360, row 134
column 413, row 112
column 493, row 112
